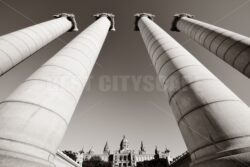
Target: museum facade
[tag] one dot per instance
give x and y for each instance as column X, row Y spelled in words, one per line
column 124, row 156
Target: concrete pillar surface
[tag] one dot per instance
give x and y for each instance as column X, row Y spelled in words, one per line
column 34, row 118
column 229, row 46
column 213, row 121
column 19, row 45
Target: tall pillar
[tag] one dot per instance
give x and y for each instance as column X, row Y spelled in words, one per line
column 34, row 118
column 213, row 121
column 231, row 47
column 19, row 45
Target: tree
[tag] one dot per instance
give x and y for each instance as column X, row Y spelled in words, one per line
column 96, row 161
column 154, row 163
column 70, row 154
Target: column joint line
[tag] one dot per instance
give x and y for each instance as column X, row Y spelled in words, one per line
column 232, row 45
column 34, row 104
column 13, row 45
column 162, row 53
column 47, row 81
column 245, row 68
column 29, row 144
column 218, row 142
column 189, row 84
column 194, row 29
column 177, row 71
column 238, row 55
column 212, row 31
column 210, row 45
column 72, row 58
column 57, row 66
column 204, row 105
column 23, row 41
column 9, row 57
column 23, row 32
column 79, row 50
column 168, row 60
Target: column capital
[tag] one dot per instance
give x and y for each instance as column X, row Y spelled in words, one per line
column 111, row 18
column 177, row 17
column 140, row 15
column 70, row 17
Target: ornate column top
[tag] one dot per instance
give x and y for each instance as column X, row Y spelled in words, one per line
column 71, row 18
column 177, row 17
column 140, row 15
column 111, row 18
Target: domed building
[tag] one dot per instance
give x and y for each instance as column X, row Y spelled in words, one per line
column 124, row 146
column 124, row 157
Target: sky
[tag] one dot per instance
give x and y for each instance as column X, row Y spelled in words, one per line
column 126, row 105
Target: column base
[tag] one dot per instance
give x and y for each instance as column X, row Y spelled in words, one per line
column 230, row 160
column 10, row 159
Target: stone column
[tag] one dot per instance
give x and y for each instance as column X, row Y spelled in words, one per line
column 34, row 118
column 231, row 47
column 19, row 45
column 213, row 121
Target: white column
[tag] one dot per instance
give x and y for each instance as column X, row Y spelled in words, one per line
column 231, row 47
column 19, row 45
column 213, row 121
column 34, row 118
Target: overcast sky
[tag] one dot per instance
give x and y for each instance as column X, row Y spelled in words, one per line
column 136, row 110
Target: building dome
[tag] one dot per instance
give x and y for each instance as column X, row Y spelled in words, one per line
column 124, row 144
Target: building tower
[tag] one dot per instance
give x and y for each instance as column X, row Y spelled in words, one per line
column 17, row 46
column 106, row 149
column 34, row 118
column 229, row 46
column 166, row 151
column 91, row 151
column 213, row 121
column 80, row 156
column 157, row 153
column 82, row 151
column 142, row 149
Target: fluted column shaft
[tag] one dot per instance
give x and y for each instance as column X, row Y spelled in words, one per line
column 229, row 46
column 213, row 121
column 19, row 45
column 34, row 118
